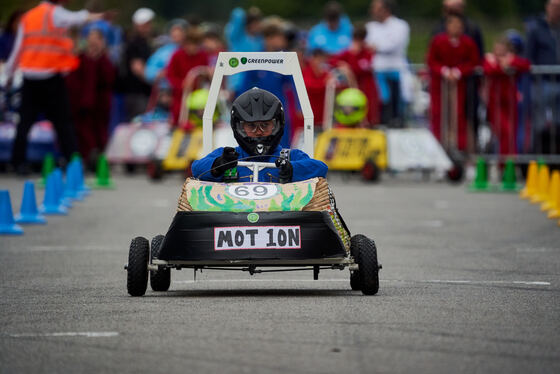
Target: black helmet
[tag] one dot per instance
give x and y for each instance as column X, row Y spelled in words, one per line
column 256, row 105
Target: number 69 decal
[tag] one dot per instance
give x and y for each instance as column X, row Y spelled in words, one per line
column 253, row 191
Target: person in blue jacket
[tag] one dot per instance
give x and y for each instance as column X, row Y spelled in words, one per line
column 243, row 34
column 334, row 34
column 257, row 121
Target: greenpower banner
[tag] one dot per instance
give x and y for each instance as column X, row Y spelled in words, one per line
column 249, row 197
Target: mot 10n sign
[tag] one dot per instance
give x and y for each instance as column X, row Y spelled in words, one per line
column 257, row 237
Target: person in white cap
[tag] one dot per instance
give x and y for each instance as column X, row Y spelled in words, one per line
column 137, row 51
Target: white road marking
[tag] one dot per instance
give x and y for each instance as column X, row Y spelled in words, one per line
column 433, row 224
column 533, row 250
column 87, row 334
column 526, row 283
column 48, row 248
column 161, row 203
column 434, row 281
column 441, row 204
column 436, row 224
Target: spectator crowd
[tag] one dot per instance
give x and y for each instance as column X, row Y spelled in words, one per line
column 115, row 76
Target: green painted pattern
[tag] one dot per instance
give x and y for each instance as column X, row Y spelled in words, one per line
column 213, row 197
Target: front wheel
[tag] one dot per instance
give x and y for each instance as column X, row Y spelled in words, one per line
column 160, row 279
column 137, row 268
column 368, row 273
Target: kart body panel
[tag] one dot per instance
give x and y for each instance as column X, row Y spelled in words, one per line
column 229, row 236
column 41, row 140
column 349, row 149
column 136, row 143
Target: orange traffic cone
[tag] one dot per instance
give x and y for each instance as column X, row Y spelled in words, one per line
column 542, row 189
column 532, row 181
column 554, row 213
column 550, row 202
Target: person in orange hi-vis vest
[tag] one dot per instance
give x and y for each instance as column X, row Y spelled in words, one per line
column 44, row 53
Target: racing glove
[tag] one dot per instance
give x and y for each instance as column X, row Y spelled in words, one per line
column 286, row 170
column 227, row 160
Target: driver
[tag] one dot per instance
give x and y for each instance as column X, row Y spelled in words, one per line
column 257, row 121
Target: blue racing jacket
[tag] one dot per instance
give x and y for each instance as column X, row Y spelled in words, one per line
column 304, row 167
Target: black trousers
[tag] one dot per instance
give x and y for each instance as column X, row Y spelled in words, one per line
column 47, row 97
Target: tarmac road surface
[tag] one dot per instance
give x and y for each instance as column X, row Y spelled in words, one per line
column 470, row 283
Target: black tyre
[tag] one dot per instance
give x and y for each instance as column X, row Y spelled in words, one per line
column 355, row 280
column 137, row 269
column 370, row 172
column 155, row 171
column 160, row 280
column 456, row 173
column 129, row 168
column 368, row 275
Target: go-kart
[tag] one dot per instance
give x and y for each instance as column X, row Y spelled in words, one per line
column 254, row 226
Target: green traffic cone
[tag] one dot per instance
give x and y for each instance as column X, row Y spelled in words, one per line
column 103, row 174
column 76, row 156
column 47, row 169
column 480, row 182
column 509, row 180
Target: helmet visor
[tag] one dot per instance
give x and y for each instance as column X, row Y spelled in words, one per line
column 258, row 129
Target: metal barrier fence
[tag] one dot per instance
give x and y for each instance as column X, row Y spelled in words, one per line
column 495, row 116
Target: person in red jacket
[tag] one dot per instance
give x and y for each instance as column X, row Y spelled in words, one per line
column 316, row 75
column 90, row 90
column 359, row 59
column 502, row 68
column 452, row 57
column 186, row 58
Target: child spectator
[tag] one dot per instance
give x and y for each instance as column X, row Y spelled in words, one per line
column 212, row 42
column 316, row 75
column 359, row 59
column 90, row 90
column 158, row 61
column 186, row 58
column 452, row 57
column 502, row 68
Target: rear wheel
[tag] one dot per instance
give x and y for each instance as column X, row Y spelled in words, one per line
column 137, row 268
column 160, row 279
column 370, row 172
column 368, row 273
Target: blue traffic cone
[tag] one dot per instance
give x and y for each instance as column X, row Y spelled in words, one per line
column 29, row 212
column 70, row 187
column 82, row 188
column 59, row 183
column 51, row 202
column 7, row 224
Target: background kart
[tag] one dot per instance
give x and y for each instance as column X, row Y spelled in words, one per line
column 251, row 226
column 183, row 145
column 373, row 151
